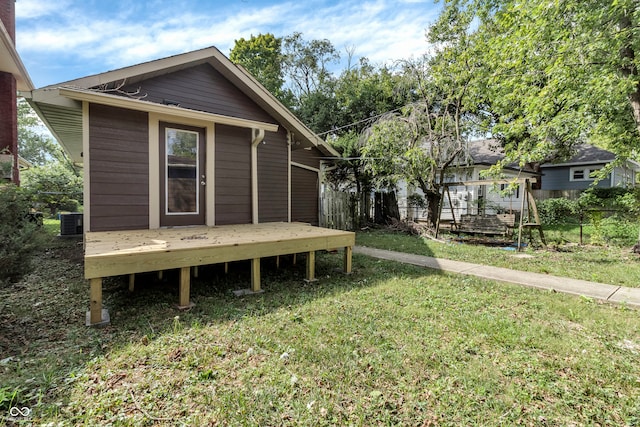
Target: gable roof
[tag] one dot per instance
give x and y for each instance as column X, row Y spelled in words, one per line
column 485, row 152
column 10, row 61
column 488, row 152
column 60, row 105
column 585, row 154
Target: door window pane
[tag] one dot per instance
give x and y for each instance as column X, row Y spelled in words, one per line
column 182, row 172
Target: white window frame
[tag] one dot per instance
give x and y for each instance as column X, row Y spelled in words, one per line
column 586, row 171
column 166, row 176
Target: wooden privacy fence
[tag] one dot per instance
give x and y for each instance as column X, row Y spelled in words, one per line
column 339, row 210
column 343, row 210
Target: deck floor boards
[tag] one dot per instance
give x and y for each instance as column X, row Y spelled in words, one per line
column 111, row 253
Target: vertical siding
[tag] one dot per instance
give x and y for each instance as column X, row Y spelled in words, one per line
column 119, row 165
column 304, row 195
column 233, row 175
column 201, row 88
column 273, row 178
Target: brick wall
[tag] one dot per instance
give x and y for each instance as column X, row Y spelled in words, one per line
column 8, row 17
column 8, row 109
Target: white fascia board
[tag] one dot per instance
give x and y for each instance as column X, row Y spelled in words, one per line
column 10, row 61
column 133, row 71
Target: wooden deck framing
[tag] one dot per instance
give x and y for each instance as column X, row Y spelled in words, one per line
column 114, row 253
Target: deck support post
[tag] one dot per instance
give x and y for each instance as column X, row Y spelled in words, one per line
column 311, row 267
column 132, row 282
column 348, row 252
column 96, row 316
column 185, row 283
column 96, row 300
column 195, row 272
column 255, row 275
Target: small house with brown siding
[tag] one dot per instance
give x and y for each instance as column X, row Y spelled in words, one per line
column 188, row 161
column 192, row 139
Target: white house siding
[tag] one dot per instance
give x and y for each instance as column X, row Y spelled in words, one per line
column 464, row 198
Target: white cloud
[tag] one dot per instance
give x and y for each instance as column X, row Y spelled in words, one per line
column 29, row 9
column 121, row 35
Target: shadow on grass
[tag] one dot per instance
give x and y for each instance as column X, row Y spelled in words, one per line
column 151, row 308
column 44, row 343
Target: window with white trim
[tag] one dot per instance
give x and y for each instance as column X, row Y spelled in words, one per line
column 583, row 173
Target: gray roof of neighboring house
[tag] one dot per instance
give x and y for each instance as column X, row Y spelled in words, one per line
column 485, row 151
column 489, row 152
column 586, row 154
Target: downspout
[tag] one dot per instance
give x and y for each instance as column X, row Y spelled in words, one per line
column 289, row 143
column 258, row 137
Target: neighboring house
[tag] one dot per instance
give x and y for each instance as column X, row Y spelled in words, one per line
column 569, row 178
column 474, row 198
column 563, row 179
column 191, row 139
column 13, row 78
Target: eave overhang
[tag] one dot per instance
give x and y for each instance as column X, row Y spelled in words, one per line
column 10, row 61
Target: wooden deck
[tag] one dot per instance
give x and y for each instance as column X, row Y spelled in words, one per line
column 114, row 253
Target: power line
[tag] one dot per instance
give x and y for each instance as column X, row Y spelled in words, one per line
column 359, row 121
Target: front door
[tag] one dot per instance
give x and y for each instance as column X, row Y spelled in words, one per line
column 182, row 175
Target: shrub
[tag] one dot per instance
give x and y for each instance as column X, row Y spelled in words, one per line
column 558, row 211
column 619, row 232
column 613, row 213
column 17, row 233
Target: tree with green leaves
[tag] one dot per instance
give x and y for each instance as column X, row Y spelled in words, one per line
column 52, row 182
column 34, row 145
column 261, row 55
column 556, row 73
column 306, row 63
column 416, row 145
column 311, row 83
column 363, row 92
column 428, row 136
column 54, row 186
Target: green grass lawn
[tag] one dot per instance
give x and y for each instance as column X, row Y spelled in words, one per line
column 605, row 264
column 389, row 344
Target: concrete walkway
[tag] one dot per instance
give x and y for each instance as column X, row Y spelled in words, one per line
column 599, row 291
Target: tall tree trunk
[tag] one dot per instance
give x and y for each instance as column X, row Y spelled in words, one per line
column 629, row 69
column 634, row 98
column 433, row 207
column 432, row 197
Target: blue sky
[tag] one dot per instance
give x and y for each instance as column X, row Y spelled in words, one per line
column 60, row 40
